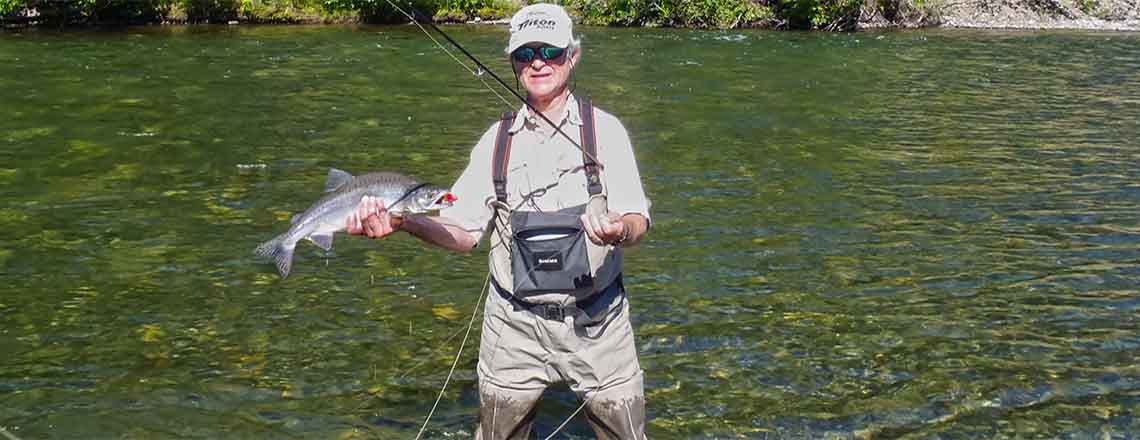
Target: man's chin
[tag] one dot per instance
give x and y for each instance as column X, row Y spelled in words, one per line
column 544, row 91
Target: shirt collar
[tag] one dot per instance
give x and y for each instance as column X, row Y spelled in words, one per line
column 571, row 115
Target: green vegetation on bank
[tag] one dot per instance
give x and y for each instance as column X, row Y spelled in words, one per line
column 129, row 12
column 834, row 15
column 791, row 14
column 831, row 15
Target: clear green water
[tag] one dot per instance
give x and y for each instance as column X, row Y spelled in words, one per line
column 890, row 235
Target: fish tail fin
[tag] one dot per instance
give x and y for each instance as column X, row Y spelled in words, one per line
column 279, row 252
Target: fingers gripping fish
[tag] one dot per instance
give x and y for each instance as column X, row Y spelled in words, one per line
column 402, row 196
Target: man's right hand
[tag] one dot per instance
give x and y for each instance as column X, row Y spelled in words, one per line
column 372, row 219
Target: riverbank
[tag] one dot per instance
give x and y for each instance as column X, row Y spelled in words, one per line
column 1043, row 24
column 826, row 15
column 1113, row 15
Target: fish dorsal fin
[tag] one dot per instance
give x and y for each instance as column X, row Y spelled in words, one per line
column 294, row 218
column 336, row 179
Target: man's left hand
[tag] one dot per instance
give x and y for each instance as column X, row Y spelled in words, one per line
column 604, row 229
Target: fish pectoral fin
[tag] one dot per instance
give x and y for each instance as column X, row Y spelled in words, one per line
column 323, row 241
column 337, row 178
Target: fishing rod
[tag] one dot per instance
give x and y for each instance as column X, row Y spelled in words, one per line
column 483, row 69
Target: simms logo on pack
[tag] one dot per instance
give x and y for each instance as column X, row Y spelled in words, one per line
column 547, row 261
column 544, row 23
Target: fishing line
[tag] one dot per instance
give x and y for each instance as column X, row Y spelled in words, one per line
column 471, row 323
column 477, row 74
column 568, row 419
column 483, row 69
column 437, row 351
column 407, row 193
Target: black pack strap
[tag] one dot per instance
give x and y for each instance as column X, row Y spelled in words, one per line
column 502, row 156
column 590, row 146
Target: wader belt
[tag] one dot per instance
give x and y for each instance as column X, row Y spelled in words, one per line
column 589, row 141
column 592, row 306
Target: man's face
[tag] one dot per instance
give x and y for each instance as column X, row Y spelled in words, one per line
column 545, row 78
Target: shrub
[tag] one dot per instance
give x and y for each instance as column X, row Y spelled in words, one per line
column 449, row 15
column 612, row 13
column 463, row 10
column 380, row 11
column 691, row 13
column 832, row 15
column 8, row 7
column 211, row 11
column 721, row 13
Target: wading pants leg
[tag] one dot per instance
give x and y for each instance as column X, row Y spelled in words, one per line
column 616, row 413
column 521, row 354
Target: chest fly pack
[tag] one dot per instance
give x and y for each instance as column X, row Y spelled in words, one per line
column 550, row 252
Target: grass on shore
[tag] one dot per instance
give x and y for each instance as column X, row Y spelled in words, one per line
column 828, row 15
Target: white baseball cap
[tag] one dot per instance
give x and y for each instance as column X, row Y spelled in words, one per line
column 540, row 23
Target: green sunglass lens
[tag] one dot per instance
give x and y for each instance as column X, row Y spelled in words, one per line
column 550, row 52
column 526, row 54
column 523, row 54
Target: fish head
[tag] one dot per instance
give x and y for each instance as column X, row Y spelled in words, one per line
column 430, row 198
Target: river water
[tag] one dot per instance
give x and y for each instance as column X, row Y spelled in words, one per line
column 927, row 234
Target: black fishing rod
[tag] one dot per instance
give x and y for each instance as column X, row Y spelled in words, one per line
column 416, row 17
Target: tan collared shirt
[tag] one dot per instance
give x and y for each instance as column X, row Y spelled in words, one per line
column 545, row 173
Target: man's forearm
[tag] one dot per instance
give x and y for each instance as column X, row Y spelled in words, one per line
column 440, row 231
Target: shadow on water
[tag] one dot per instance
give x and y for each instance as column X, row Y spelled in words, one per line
column 874, row 235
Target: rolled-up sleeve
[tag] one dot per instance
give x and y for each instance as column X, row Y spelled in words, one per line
column 625, row 193
column 474, row 188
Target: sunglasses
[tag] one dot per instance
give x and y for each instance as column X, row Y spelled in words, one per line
column 526, row 54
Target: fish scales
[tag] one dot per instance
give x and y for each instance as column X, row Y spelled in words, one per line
column 340, row 203
column 402, row 195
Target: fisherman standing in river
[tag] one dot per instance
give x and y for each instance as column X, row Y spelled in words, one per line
column 559, row 218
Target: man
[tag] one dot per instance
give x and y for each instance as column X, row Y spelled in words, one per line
column 543, row 324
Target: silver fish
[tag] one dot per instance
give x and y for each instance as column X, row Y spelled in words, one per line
column 402, row 195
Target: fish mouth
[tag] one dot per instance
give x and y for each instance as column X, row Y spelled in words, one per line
column 439, row 200
column 445, row 199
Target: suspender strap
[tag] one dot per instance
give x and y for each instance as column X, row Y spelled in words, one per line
column 590, row 144
column 503, row 151
column 502, row 156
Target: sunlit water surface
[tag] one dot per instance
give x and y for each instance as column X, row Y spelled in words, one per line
column 916, row 234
